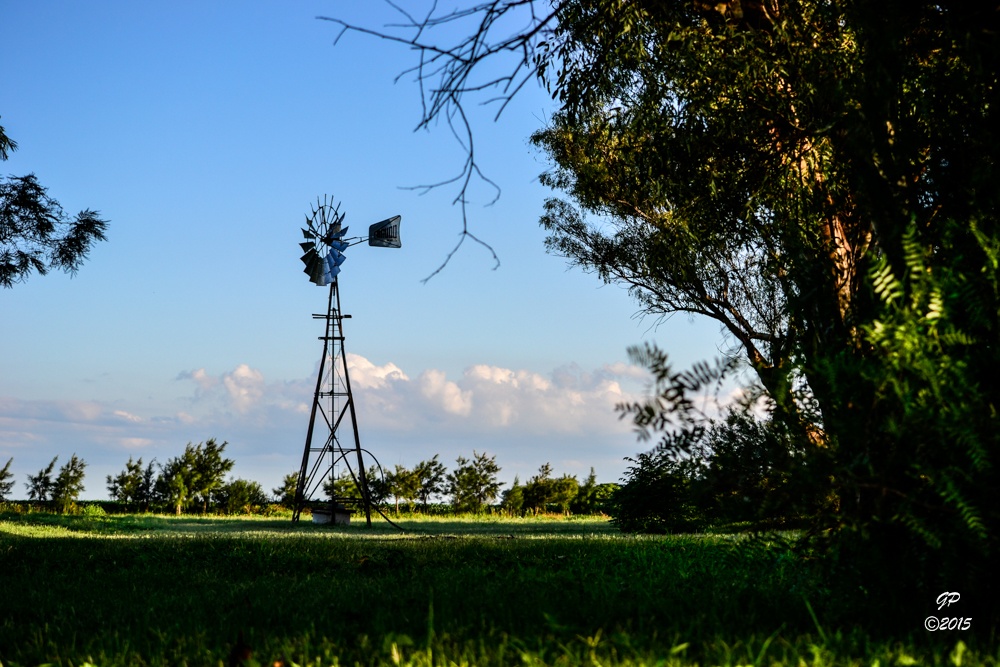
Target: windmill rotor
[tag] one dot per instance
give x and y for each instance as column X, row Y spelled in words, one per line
column 324, row 243
column 326, row 240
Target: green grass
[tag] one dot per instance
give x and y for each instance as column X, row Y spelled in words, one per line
column 157, row 590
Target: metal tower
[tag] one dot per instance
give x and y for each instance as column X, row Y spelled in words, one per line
column 329, row 447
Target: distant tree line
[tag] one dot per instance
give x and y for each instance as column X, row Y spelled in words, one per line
column 195, row 481
column 472, row 487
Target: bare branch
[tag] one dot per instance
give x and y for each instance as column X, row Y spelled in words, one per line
column 445, row 74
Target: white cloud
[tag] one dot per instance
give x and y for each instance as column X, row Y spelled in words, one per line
column 491, row 399
column 566, row 416
column 204, row 381
column 245, row 387
column 127, row 416
column 443, row 394
column 366, row 375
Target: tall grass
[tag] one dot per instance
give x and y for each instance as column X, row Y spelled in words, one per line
column 153, row 590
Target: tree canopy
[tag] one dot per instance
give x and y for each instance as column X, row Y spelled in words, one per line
column 819, row 178
column 36, row 235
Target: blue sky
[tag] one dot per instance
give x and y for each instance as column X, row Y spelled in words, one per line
column 203, row 132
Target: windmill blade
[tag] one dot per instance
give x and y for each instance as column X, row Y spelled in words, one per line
column 336, row 232
column 335, row 258
column 324, row 241
column 316, row 268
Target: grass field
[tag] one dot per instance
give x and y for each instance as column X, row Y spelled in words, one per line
column 157, row 590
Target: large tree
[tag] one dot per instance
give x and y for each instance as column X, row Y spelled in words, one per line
column 822, row 180
column 36, row 235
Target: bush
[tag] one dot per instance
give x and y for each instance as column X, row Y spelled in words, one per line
column 240, row 496
column 656, row 496
column 739, row 470
column 92, row 510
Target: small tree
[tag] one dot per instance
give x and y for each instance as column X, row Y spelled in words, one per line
column 512, row 500
column 210, row 469
column 474, row 483
column 69, row 484
column 540, row 490
column 344, row 488
column 173, row 486
column 147, row 487
column 193, row 476
column 6, row 480
column 285, row 494
column 39, row 486
column 125, row 487
column 564, row 491
column 404, row 485
column 584, row 502
column 433, row 476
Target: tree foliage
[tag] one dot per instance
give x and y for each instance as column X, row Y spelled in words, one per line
column 241, row 496
column 404, row 484
column 512, row 499
column 345, row 487
column 39, row 486
column 6, row 476
column 819, row 178
column 285, row 494
column 68, row 485
column 36, row 235
column 473, row 484
column 193, row 476
column 432, row 475
column 134, row 485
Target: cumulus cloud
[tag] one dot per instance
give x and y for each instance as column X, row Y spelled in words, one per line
column 366, row 375
column 490, row 398
column 245, row 387
column 566, row 416
column 483, row 399
column 200, row 377
column 439, row 393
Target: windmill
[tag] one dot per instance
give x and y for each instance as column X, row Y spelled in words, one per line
column 326, row 450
